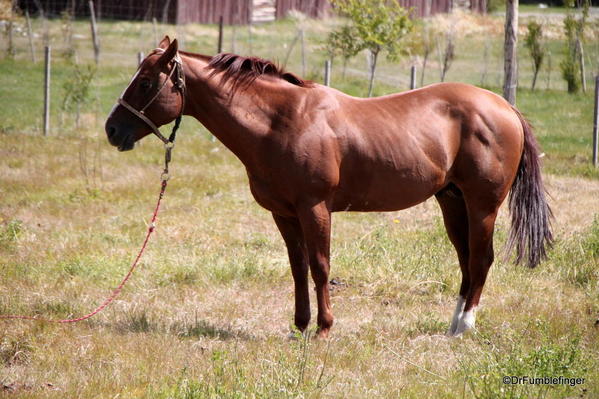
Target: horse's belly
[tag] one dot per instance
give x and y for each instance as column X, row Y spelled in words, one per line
column 386, row 193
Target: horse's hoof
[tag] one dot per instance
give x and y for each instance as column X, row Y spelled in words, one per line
column 322, row 333
column 466, row 323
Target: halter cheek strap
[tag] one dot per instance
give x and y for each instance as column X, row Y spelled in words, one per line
column 177, row 70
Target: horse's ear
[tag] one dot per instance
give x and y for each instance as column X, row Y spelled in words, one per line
column 164, row 43
column 169, row 53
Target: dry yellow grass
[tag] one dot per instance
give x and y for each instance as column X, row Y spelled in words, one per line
column 214, row 290
column 208, row 312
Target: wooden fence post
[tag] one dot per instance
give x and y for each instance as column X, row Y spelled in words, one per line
column 92, row 15
column 11, row 44
column 596, row 123
column 413, row 77
column 549, row 70
column 47, row 54
column 509, row 52
column 30, row 36
column 220, row 35
column 327, row 73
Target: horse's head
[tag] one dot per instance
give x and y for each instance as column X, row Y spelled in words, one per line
column 154, row 98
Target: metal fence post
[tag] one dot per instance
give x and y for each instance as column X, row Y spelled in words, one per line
column 413, row 77
column 220, row 35
column 327, row 73
column 47, row 53
column 596, row 123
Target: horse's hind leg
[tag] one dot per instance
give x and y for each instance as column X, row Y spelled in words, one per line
column 298, row 258
column 455, row 217
column 481, row 225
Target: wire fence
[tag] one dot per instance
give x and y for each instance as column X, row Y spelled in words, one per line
column 26, row 34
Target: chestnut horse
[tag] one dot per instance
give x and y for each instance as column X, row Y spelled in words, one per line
column 310, row 150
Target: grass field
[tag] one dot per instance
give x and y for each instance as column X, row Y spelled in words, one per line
column 208, row 312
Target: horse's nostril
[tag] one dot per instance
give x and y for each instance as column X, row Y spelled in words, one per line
column 110, row 130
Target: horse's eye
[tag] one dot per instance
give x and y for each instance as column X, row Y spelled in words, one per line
column 145, row 84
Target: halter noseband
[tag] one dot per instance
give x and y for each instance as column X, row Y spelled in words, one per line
column 176, row 70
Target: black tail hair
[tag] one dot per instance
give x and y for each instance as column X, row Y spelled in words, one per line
column 531, row 216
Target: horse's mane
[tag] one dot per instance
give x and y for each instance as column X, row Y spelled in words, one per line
column 243, row 71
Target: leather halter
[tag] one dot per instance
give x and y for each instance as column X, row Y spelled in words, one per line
column 176, row 70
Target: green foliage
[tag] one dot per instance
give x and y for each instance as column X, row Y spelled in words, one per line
column 507, row 356
column 66, row 19
column 342, row 43
column 10, row 232
column 495, row 5
column 377, row 25
column 536, row 49
column 77, row 87
column 284, row 376
column 570, row 64
column 574, row 32
column 591, row 245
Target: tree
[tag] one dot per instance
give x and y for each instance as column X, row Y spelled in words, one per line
column 427, row 36
column 447, row 56
column 342, row 42
column 572, row 66
column 510, row 65
column 77, row 90
column 533, row 41
column 377, row 26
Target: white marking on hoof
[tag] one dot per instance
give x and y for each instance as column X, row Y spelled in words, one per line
column 467, row 322
column 457, row 315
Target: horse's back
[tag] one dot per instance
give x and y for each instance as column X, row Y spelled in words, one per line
column 400, row 149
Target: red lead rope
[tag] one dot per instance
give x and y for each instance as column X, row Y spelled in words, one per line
column 118, row 289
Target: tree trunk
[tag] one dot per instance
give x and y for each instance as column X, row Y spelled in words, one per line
column 427, row 51
column 290, row 49
column 165, row 8
column 534, row 78
column 483, row 77
column 372, row 71
column 345, row 59
column 510, row 65
column 580, row 51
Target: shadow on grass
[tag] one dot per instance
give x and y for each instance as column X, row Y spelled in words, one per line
column 140, row 322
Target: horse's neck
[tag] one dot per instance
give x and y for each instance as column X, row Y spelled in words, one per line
column 238, row 121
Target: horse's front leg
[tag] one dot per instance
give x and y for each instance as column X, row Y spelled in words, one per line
column 293, row 236
column 316, row 225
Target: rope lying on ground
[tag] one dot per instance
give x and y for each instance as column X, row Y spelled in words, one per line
column 119, row 288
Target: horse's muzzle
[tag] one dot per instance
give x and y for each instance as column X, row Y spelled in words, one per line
column 124, row 141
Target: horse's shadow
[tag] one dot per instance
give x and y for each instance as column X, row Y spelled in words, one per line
column 140, row 322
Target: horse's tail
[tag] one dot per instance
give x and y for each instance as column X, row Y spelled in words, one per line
column 531, row 229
